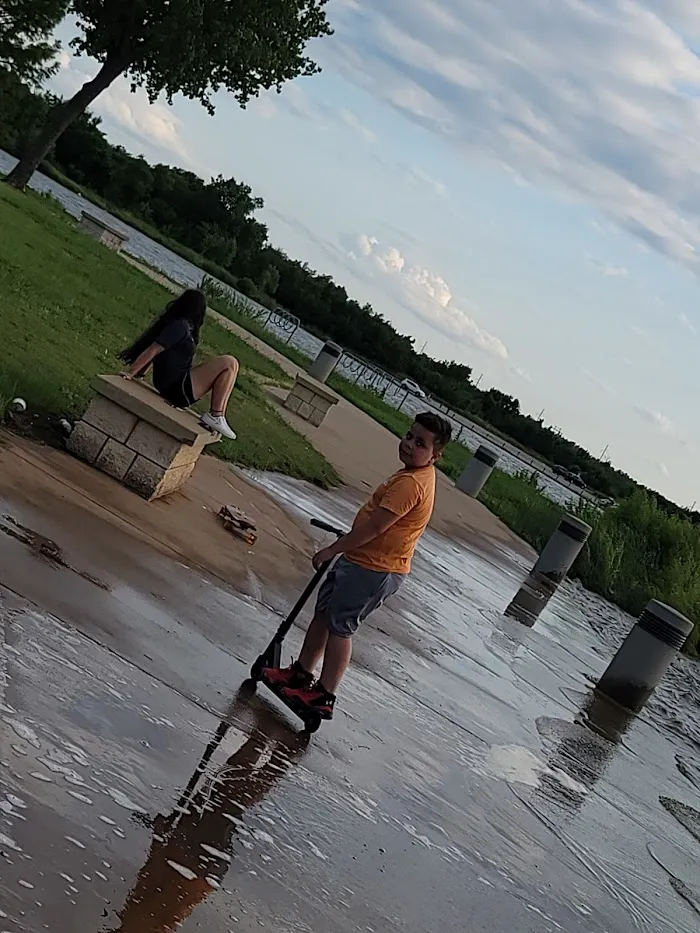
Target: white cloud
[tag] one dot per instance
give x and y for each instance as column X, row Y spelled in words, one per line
column 353, row 121
column 417, row 176
column 686, row 324
column 600, row 98
column 155, row 123
column 428, row 295
column 660, row 421
column 391, row 260
column 521, row 373
column 600, row 384
column 367, row 244
column 606, row 268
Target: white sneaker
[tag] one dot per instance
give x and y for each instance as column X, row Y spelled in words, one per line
column 218, row 424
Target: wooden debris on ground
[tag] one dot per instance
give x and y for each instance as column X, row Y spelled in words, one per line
column 238, row 523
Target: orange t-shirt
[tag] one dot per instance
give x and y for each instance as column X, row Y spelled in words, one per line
column 410, row 494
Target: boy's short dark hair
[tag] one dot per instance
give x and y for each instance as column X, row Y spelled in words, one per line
column 437, row 425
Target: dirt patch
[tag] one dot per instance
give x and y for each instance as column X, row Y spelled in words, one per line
column 69, row 493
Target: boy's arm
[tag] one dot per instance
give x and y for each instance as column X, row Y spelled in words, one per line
column 364, row 532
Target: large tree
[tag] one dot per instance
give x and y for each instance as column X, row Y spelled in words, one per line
column 26, row 45
column 191, row 47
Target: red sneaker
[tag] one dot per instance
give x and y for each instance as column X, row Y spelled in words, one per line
column 294, row 676
column 312, row 699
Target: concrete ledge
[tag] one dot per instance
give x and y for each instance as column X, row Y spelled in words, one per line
column 102, row 232
column 311, row 400
column 141, row 400
column 317, row 388
column 133, row 435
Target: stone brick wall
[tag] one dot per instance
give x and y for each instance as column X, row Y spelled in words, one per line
column 310, row 400
column 136, row 453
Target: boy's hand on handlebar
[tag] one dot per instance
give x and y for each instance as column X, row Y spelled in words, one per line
column 324, row 556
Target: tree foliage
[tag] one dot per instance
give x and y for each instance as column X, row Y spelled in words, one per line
column 196, row 47
column 26, row 46
column 189, row 47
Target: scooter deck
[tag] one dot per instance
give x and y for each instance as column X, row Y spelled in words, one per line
column 312, row 720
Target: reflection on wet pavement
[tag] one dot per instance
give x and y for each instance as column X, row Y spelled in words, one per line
column 192, row 846
column 470, row 770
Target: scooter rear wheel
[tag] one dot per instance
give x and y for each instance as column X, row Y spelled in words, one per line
column 312, row 722
column 256, row 671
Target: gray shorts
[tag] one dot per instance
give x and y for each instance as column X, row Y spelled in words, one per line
column 350, row 593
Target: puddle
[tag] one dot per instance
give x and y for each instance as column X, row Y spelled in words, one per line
column 469, row 769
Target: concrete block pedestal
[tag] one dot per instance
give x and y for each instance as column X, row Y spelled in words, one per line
column 133, row 435
column 310, row 399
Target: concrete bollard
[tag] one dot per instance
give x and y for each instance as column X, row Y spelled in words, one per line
column 605, row 718
column 645, row 656
column 552, row 566
column 326, row 361
column 477, row 471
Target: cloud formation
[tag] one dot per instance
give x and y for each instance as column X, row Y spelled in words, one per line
column 660, row 421
column 687, row 324
column 133, row 112
column 427, row 295
column 600, row 98
column 606, row 268
column 351, row 119
column 521, row 373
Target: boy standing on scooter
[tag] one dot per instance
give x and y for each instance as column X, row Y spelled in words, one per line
column 374, row 559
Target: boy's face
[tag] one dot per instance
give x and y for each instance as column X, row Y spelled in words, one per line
column 417, row 449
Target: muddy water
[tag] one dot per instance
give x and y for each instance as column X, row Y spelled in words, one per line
column 468, row 772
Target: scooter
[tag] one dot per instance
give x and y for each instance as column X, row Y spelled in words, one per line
column 272, row 655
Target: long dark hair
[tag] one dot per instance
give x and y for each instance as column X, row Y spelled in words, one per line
column 190, row 306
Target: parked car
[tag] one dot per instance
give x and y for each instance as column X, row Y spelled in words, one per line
column 571, row 476
column 410, row 386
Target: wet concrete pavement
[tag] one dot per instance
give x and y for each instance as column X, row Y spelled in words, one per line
column 467, row 781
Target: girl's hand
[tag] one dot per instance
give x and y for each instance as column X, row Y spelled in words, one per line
column 127, row 376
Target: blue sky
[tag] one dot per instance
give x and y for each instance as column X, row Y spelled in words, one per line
column 514, row 182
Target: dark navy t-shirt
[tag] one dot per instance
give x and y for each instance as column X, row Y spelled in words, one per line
column 172, row 365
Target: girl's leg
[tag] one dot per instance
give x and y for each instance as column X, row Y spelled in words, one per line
column 217, row 376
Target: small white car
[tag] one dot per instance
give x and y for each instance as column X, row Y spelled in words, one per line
column 410, row 386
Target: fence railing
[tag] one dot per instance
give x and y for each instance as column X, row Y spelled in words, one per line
column 278, row 319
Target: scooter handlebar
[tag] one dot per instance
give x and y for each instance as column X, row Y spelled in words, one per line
column 324, row 526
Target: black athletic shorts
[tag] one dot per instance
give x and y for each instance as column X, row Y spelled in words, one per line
column 180, row 394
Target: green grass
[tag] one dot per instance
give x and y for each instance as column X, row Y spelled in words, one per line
column 69, row 305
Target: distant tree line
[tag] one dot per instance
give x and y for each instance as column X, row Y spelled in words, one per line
column 216, row 221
